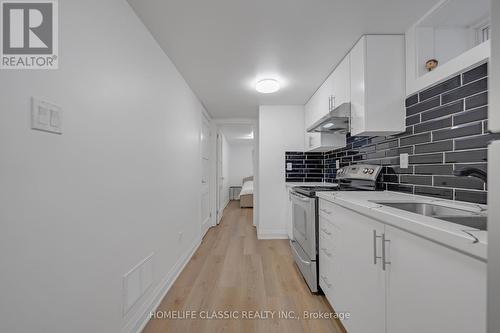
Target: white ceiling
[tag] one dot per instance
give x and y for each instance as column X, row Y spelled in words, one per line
column 237, row 134
column 222, row 47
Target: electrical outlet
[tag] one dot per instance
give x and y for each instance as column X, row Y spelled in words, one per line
column 403, row 161
column 337, row 164
column 46, row 116
column 180, row 236
column 289, row 166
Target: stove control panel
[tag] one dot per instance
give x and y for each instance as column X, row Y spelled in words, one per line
column 359, row 171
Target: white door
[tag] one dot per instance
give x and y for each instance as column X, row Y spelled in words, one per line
column 358, row 278
column 431, row 288
column 205, row 174
column 220, row 179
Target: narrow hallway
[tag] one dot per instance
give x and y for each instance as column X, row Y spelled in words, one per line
column 233, row 271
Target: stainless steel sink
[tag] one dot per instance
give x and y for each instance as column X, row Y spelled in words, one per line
column 463, row 217
column 477, row 222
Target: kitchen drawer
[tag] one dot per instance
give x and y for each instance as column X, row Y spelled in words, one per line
column 326, row 280
column 327, row 248
column 327, row 210
column 326, row 229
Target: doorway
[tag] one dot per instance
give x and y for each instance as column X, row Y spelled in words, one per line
column 235, row 157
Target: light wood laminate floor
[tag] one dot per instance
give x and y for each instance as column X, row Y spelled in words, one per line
column 232, row 270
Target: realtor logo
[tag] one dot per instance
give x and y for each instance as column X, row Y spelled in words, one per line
column 29, row 38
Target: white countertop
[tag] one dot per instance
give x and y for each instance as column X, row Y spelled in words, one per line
column 442, row 232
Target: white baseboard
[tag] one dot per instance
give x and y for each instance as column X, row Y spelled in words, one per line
column 272, row 234
column 222, row 210
column 137, row 323
column 205, row 226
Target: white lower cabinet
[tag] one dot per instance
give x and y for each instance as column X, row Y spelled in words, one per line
column 431, row 288
column 358, row 282
column 422, row 287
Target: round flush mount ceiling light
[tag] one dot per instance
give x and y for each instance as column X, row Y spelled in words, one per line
column 267, row 86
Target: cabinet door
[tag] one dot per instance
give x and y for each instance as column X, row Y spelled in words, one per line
column 431, row 288
column 358, row 280
column 341, row 83
column 323, row 102
column 357, row 68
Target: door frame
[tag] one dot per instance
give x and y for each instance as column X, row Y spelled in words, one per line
column 238, row 121
column 218, row 174
column 204, row 187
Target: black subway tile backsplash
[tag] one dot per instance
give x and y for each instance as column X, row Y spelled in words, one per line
column 465, row 91
column 476, row 101
column 433, row 125
column 412, row 100
column 480, row 166
column 434, row 169
column 445, row 132
column 471, row 196
column 442, row 111
column 426, row 105
column 417, row 180
column 412, row 120
column 443, row 193
column 475, row 73
column 458, row 131
column 460, row 182
column 434, row 147
column 467, row 156
column 426, row 158
column 480, row 141
column 414, row 139
column 470, row 116
column 440, row 88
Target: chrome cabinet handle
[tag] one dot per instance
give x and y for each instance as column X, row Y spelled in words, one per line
column 326, row 252
column 384, row 254
column 326, row 231
column 326, row 211
column 329, row 285
column 375, row 256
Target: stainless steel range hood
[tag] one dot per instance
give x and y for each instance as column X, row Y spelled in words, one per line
column 336, row 121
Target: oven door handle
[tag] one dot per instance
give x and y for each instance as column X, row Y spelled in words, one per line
column 297, row 254
column 300, row 197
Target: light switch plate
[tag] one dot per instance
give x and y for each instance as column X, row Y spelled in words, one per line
column 337, row 164
column 289, row 166
column 46, row 116
column 403, row 161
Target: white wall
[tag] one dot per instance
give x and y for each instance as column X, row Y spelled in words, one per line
column 281, row 129
column 80, row 209
column 240, row 162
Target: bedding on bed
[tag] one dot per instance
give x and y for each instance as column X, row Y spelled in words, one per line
column 247, row 188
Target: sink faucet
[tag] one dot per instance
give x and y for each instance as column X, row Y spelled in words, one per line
column 472, row 172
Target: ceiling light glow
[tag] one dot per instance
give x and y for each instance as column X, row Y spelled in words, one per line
column 328, row 125
column 267, row 86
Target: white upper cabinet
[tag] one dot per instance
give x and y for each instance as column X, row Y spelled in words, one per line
column 456, row 33
column 372, row 78
column 377, row 85
column 341, row 83
column 317, row 107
